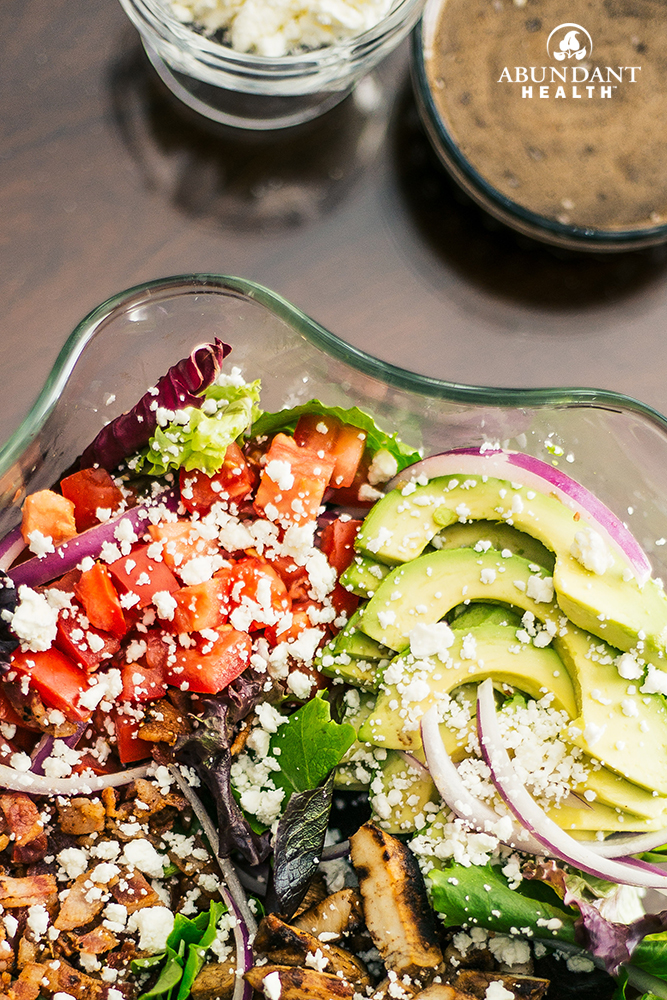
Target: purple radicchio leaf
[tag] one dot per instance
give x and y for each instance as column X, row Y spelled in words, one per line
column 298, row 845
column 181, row 386
column 208, row 750
column 612, row 942
column 8, row 602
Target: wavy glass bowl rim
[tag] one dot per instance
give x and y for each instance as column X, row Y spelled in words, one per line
column 586, row 237
column 216, row 55
column 318, row 336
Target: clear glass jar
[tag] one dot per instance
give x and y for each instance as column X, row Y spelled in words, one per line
column 259, row 92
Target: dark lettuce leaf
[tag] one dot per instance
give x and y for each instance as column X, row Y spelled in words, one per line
column 181, row 386
column 8, row 602
column 207, row 750
column 298, row 845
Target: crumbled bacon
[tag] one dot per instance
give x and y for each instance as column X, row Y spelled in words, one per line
column 81, row 816
column 81, row 905
column 27, row 891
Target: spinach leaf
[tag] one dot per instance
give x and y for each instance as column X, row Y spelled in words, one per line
column 376, row 438
column 481, row 894
column 309, row 746
column 298, row 844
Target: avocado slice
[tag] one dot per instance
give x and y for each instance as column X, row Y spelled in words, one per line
column 613, row 790
column 497, row 536
column 402, row 796
column 611, row 604
column 353, row 656
column 602, row 817
column 424, row 590
column 410, row 685
column 363, row 576
column 471, row 615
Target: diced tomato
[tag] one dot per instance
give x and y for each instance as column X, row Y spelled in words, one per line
column 182, row 542
column 343, row 442
column 203, row 605
column 57, row 680
column 337, row 543
column 343, row 601
column 142, row 683
column 300, row 621
column 233, row 482
column 253, row 579
column 348, row 496
column 100, row 600
column 158, row 647
column 90, row 490
column 90, row 763
column 210, row 666
column 50, row 514
column 316, row 432
column 348, row 451
column 142, row 576
column 87, row 646
column 293, row 576
column 301, row 477
column 130, row 746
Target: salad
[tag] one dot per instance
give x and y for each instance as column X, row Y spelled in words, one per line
column 288, row 708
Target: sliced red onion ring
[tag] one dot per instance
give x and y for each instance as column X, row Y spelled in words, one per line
column 473, row 811
column 11, row 547
column 39, row 784
column 534, row 474
column 35, row 572
column 557, row 842
column 620, row 847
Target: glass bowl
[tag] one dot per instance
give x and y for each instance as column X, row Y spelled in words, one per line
column 500, row 205
column 260, row 92
column 614, row 445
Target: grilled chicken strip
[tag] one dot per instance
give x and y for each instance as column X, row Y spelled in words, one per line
column 289, row 983
column 476, row 984
column 396, row 908
column 334, row 916
column 285, row 945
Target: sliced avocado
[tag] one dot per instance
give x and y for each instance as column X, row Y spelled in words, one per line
column 617, row 725
column 613, row 790
column 424, row 590
column 410, row 686
column 401, row 794
column 353, row 656
column 471, row 615
column 498, row 536
column 363, row 576
column 359, row 762
column 602, row 817
column 611, row 604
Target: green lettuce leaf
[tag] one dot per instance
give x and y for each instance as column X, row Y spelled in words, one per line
column 286, row 420
column 310, row 745
column 480, row 894
column 201, row 442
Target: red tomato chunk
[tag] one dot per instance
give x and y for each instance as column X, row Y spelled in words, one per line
column 293, row 482
column 57, row 680
column 91, row 490
column 100, row 601
column 142, row 576
column 233, row 482
column 210, row 666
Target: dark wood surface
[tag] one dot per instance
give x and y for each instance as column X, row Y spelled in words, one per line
column 105, row 183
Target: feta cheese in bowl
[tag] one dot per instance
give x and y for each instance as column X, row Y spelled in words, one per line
column 262, row 65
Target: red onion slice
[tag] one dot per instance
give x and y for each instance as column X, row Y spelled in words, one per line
column 542, row 477
column 473, row 811
column 11, row 547
column 557, row 842
column 45, row 746
column 35, row 572
column 39, row 784
column 631, row 844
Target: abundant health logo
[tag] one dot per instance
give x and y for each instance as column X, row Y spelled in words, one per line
column 571, row 73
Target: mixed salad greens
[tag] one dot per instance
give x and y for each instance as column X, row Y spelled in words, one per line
column 224, row 623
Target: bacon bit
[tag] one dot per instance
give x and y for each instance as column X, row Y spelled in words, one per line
column 66, row 979
column 109, row 798
column 77, row 908
column 23, row 820
column 163, row 723
column 29, row 984
column 95, row 942
column 81, row 816
column 27, row 891
column 150, row 796
column 134, row 892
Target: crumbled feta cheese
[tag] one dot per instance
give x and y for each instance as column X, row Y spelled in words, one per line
column 34, row 621
column 141, row 854
column 590, row 549
column 155, row 924
column 430, row 639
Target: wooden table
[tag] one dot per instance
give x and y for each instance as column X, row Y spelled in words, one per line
column 105, row 183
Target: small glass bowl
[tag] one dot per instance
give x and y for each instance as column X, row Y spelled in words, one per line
column 614, row 445
column 482, row 191
column 260, row 92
